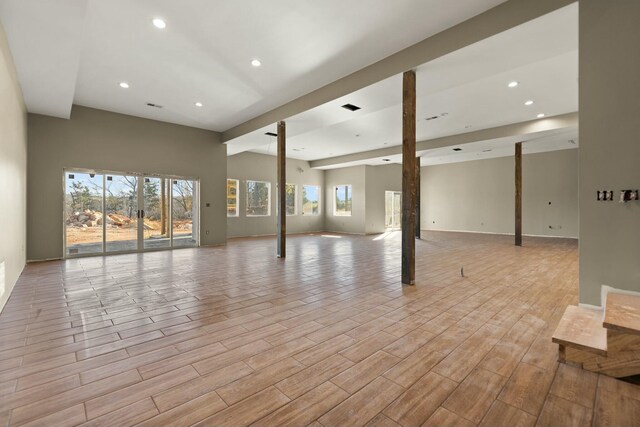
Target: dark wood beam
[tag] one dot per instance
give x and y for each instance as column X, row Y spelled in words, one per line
column 417, row 197
column 518, row 194
column 409, row 177
column 282, row 193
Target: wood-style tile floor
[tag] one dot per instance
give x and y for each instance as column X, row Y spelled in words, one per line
column 233, row 336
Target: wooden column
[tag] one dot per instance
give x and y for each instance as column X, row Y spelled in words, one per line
column 518, row 194
column 282, row 190
column 417, row 197
column 408, row 177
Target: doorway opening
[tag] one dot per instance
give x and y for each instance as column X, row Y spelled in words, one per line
column 393, row 210
column 111, row 212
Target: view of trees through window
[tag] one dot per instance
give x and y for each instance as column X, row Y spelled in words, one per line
column 232, row 197
column 104, row 212
column 258, row 198
column 310, row 200
column 291, row 198
column 343, row 200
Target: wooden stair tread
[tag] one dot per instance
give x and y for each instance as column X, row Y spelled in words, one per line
column 581, row 328
column 623, row 313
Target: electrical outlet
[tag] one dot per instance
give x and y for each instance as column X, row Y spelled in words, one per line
column 604, row 195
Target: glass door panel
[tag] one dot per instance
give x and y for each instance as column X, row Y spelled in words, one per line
column 83, row 213
column 392, row 210
column 156, row 213
column 397, row 210
column 121, row 213
column 184, row 215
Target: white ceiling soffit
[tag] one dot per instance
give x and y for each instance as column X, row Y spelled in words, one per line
column 540, row 142
column 45, row 38
column 470, row 85
column 204, row 53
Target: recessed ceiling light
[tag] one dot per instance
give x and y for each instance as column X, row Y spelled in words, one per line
column 256, row 62
column 529, row 102
column 513, row 84
column 124, row 85
column 198, row 104
column 541, row 115
column 159, row 23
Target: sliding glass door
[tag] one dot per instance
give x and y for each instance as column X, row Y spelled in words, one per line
column 114, row 213
column 121, row 213
column 84, row 232
column 183, row 213
column 157, row 234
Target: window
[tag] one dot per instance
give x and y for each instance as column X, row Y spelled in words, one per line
column 310, row 200
column 232, row 197
column 258, row 198
column 291, row 190
column 343, row 201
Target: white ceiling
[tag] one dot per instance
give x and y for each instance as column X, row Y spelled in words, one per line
column 470, row 85
column 79, row 50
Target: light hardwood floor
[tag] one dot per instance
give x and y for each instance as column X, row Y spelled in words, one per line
column 234, row 336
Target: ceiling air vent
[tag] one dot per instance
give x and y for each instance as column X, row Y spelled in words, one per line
column 151, row 104
column 271, row 134
column 351, row 107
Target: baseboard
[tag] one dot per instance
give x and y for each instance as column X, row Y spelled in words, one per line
column 498, row 234
column 32, row 261
column 590, row 306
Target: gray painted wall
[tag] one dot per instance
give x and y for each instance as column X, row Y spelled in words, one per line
column 261, row 167
column 13, row 174
column 610, row 150
column 356, row 176
column 96, row 139
column 479, row 195
column 368, row 185
column 380, row 179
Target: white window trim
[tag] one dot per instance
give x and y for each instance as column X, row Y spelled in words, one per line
column 237, row 215
column 335, row 200
column 319, row 187
column 247, row 200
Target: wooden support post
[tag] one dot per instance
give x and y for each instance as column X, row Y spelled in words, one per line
column 417, row 197
column 518, row 194
column 409, row 177
column 282, row 190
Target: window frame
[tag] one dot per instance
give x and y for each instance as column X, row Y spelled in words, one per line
column 319, row 193
column 246, row 209
column 335, row 200
column 237, row 198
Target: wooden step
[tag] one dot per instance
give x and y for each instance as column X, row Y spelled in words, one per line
column 581, row 328
column 622, row 313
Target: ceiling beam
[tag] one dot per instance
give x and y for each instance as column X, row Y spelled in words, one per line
column 563, row 121
column 494, row 21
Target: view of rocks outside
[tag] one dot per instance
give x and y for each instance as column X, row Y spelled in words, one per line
column 87, row 210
